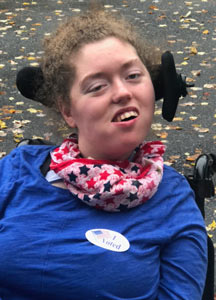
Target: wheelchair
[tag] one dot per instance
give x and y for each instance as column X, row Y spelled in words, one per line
column 168, row 86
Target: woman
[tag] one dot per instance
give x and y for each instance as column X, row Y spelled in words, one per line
column 108, row 220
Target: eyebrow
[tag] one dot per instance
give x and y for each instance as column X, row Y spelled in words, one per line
column 102, row 74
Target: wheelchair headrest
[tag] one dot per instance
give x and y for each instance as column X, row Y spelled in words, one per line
column 168, row 85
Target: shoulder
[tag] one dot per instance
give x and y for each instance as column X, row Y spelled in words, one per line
column 173, row 180
column 29, row 151
column 24, row 156
column 174, row 191
column 171, row 173
column 177, row 198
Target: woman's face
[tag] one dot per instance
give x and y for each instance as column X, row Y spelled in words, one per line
column 111, row 100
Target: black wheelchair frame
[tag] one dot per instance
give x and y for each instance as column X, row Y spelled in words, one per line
column 201, row 181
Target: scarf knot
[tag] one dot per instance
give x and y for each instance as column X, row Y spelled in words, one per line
column 108, row 185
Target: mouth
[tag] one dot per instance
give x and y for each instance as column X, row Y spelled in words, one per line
column 124, row 116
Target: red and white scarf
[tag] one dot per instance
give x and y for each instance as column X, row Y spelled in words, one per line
column 108, row 185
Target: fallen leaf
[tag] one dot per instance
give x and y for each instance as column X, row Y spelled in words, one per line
column 153, row 7
column 193, row 50
column 196, row 88
column 210, row 86
column 211, row 226
column 2, row 133
column 2, row 125
column 192, row 118
column 192, row 157
column 205, row 32
column 2, row 154
column 171, row 127
column 187, row 104
column 32, row 110
column 31, row 58
column 163, row 135
column 201, row 130
column 178, row 119
column 158, row 112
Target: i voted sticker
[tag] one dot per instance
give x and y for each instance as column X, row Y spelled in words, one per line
column 108, row 239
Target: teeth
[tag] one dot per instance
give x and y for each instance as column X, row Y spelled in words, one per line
column 126, row 115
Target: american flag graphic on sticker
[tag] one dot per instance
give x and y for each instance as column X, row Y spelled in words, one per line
column 101, row 234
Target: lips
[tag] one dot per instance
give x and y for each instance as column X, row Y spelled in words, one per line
column 124, row 115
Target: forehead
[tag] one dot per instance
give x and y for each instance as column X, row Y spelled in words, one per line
column 105, row 52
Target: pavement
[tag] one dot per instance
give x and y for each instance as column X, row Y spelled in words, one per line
column 186, row 28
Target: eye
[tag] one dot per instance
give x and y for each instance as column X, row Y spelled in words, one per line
column 96, row 88
column 134, row 76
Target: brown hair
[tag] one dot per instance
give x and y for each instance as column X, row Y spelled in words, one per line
column 88, row 27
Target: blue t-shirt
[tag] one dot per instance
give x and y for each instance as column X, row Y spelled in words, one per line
column 44, row 252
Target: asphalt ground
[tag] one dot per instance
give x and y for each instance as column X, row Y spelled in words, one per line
column 186, row 28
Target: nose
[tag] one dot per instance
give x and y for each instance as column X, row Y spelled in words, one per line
column 121, row 91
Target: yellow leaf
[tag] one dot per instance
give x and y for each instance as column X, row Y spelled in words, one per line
column 37, row 137
column 32, row 110
column 193, row 50
column 184, row 63
column 192, row 118
column 35, row 64
column 153, row 7
column 36, row 24
column 211, row 226
column 178, row 119
column 16, row 140
column 2, row 125
column 31, row 58
column 163, row 135
column 18, row 135
column 192, row 157
column 206, row 31
column 158, row 112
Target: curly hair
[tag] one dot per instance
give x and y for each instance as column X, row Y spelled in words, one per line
column 93, row 25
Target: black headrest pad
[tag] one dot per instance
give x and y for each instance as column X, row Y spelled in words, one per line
column 28, row 81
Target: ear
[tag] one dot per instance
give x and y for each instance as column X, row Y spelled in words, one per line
column 66, row 113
